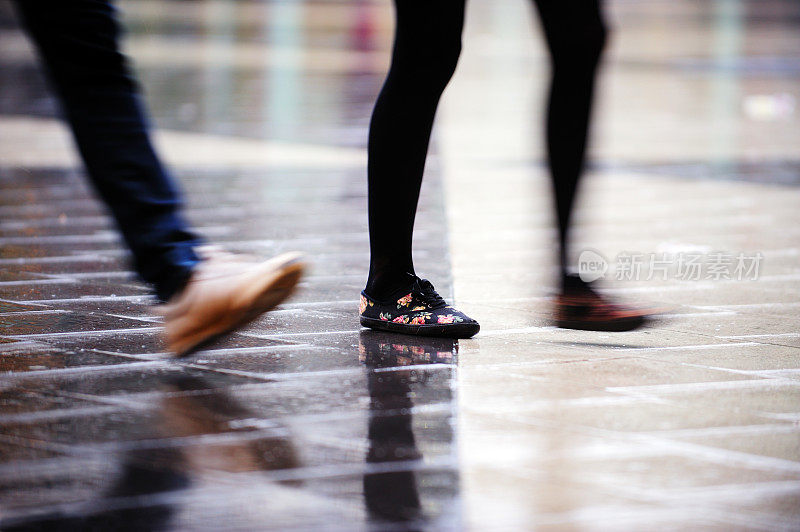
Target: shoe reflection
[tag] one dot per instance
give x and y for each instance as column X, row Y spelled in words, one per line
column 391, row 494
column 194, row 408
column 200, row 431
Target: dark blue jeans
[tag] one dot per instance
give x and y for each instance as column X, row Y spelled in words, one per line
column 78, row 41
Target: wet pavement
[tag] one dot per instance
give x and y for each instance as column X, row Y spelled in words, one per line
column 305, row 421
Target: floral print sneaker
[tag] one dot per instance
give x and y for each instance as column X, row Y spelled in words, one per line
column 418, row 310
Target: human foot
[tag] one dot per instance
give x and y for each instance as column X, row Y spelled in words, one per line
column 416, row 310
column 225, row 292
column 580, row 307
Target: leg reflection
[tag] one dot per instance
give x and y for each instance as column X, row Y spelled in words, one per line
column 138, row 500
column 201, row 435
column 391, row 491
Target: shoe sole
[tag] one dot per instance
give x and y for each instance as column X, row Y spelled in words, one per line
column 267, row 296
column 450, row 330
column 621, row 325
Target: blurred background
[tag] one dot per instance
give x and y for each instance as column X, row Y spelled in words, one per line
column 261, row 109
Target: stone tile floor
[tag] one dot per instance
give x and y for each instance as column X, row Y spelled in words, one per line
column 303, row 421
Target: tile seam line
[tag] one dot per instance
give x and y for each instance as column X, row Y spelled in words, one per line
column 176, row 365
column 710, row 454
column 100, row 332
column 305, row 473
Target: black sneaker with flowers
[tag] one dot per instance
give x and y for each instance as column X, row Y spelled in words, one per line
column 417, row 310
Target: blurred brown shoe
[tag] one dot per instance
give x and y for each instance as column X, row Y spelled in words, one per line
column 580, row 307
column 225, row 292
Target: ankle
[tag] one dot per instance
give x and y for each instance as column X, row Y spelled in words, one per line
column 573, row 284
column 382, row 287
column 172, row 286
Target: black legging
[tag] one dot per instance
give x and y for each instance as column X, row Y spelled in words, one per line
column 426, row 50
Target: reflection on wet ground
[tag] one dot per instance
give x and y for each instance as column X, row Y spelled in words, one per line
column 396, row 372
column 200, row 439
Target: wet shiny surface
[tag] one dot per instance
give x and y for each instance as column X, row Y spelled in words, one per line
column 302, row 421
column 369, row 443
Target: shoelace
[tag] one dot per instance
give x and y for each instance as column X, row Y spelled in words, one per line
column 429, row 295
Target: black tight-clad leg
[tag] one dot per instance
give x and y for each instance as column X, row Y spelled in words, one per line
column 426, row 51
column 575, row 35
